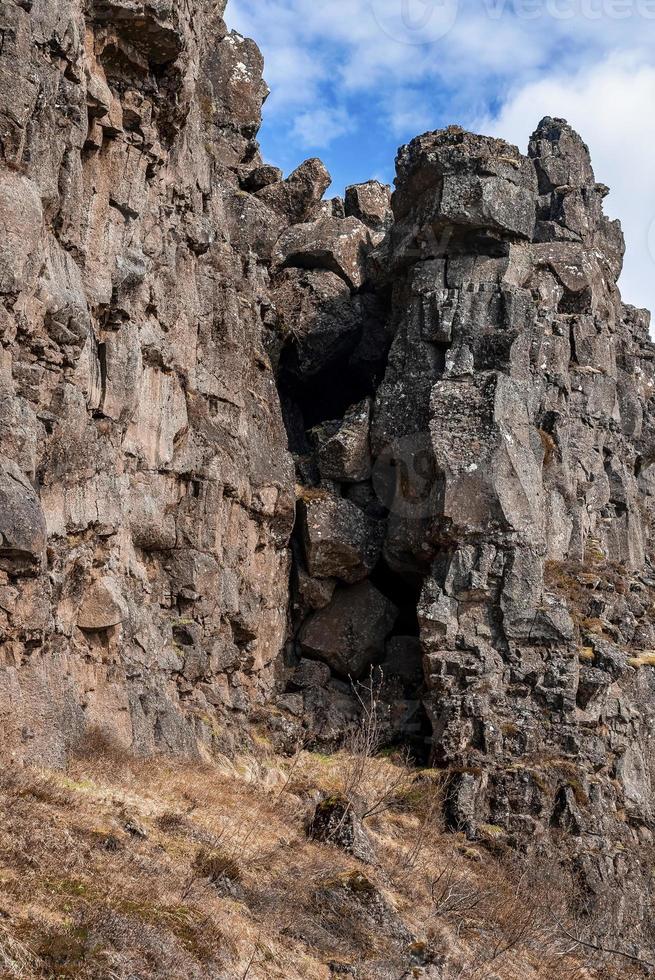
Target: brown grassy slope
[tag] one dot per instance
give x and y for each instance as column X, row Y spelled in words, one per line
column 163, row 869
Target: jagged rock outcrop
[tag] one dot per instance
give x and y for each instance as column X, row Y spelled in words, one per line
column 452, row 374
column 510, row 447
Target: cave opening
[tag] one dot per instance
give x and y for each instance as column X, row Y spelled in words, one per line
column 307, row 401
column 310, row 399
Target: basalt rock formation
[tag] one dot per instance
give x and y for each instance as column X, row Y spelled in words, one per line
column 256, row 446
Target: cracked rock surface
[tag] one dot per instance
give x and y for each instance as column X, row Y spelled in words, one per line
column 257, row 446
column 146, row 492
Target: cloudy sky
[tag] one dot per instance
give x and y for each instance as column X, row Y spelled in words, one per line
column 353, row 79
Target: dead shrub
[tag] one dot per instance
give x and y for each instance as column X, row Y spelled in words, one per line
column 371, row 783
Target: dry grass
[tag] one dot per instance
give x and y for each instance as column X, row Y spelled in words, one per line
column 122, row 868
column 643, row 660
column 581, row 584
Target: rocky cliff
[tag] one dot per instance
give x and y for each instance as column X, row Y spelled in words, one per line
column 147, row 494
column 465, row 400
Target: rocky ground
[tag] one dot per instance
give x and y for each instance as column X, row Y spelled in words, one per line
column 263, row 453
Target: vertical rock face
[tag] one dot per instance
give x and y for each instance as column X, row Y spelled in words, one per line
column 510, row 447
column 536, row 391
column 146, row 492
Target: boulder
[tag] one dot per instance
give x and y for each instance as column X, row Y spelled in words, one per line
column 337, row 245
column 335, row 822
column 297, row 197
column 315, row 593
column 371, row 203
column 453, row 178
column 102, row 606
column 234, row 69
column 561, row 157
column 349, row 634
column 570, row 205
column 250, row 223
column 344, row 451
column 311, row 674
column 340, row 541
column 256, row 178
column 593, row 684
column 316, row 313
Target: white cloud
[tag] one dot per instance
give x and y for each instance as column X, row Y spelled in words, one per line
column 611, row 106
column 340, row 66
column 409, row 112
column 319, row 127
column 364, row 43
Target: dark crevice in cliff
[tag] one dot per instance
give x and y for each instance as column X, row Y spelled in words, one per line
column 401, row 670
column 326, row 370
column 363, row 624
column 306, row 402
column 404, row 591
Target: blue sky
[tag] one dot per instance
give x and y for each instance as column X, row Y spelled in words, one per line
column 351, row 80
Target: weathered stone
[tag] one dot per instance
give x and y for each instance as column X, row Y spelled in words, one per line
column 503, row 440
column 314, row 592
column 22, row 219
column 349, row 634
column 340, row 540
column 311, row 674
column 344, row 452
column 22, row 525
column 144, row 450
column 335, row 244
column 371, row 203
column 315, row 309
column 453, row 177
column 593, row 684
column 234, row 69
column 298, row 196
column 102, row 606
column 151, row 26
column 256, row 179
column 335, row 822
